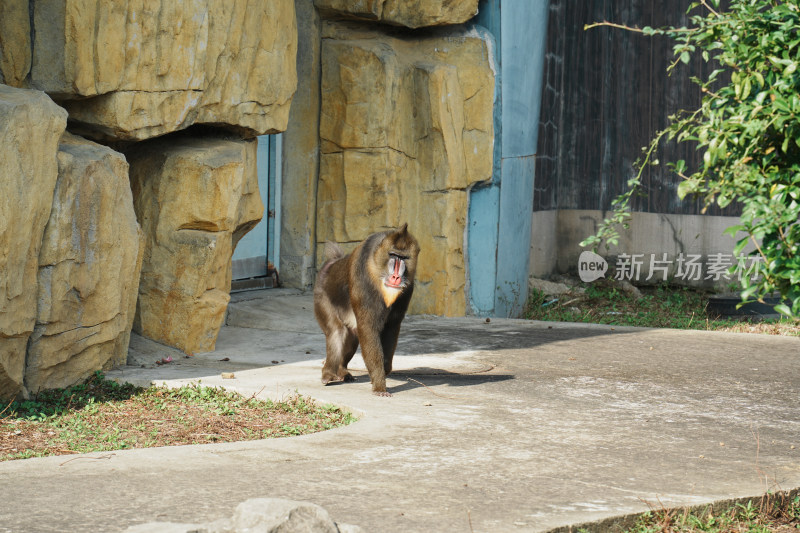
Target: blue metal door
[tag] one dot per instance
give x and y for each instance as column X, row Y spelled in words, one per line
column 255, row 261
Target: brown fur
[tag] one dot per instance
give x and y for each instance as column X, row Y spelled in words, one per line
column 353, row 304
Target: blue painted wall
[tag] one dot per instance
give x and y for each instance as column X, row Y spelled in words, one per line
column 499, row 225
column 484, row 207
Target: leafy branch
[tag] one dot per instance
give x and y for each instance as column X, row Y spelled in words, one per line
column 748, row 131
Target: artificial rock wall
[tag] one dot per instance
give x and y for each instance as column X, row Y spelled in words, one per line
column 135, row 70
column 408, row 13
column 406, row 128
column 195, row 198
column 88, row 268
column 31, row 128
column 80, row 266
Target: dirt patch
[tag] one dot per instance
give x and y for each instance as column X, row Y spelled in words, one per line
column 101, row 415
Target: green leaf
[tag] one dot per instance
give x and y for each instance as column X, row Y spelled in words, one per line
column 740, row 246
column 684, row 188
column 781, row 104
column 733, row 230
column 784, row 310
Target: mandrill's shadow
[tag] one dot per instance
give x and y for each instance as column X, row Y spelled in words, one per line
column 428, row 377
column 414, row 380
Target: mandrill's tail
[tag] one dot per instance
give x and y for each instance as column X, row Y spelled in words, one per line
column 332, row 254
column 332, row 251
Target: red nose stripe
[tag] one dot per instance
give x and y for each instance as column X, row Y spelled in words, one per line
column 395, row 280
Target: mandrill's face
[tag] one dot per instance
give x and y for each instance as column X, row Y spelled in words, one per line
column 396, row 260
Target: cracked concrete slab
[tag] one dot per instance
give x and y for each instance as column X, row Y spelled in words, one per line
column 508, row 425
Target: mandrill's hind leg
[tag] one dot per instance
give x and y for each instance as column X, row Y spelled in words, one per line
column 341, row 345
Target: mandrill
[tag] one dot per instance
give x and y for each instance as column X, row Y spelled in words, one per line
column 362, row 298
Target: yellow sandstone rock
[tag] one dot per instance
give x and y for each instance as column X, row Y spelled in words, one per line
column 195, row 198
column 406, row 128
column 89, row 267
column 137, row 69
column 31, row 127
column 15, row 42
column 409, row 13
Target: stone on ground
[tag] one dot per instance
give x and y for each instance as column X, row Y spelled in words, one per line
column 261, row 515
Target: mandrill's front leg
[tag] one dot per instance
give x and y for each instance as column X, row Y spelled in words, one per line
column 389, row 337
column 372, row 352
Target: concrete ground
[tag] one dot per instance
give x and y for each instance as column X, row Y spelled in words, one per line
column 501, row 426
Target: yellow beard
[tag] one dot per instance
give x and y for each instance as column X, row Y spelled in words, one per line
column 390, row 294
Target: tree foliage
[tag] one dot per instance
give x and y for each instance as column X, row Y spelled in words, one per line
column 747, row 129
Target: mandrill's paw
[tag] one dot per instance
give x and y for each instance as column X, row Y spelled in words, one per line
column 331, row 378
column 382, row 393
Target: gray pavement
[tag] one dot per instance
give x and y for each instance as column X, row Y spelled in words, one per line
column 501, row 426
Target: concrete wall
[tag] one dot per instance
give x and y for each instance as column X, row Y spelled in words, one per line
column 556, row 236
column 300, row 160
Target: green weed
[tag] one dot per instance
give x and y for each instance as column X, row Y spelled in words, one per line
column 772, row 513
column 102, row 415
column 605, row 302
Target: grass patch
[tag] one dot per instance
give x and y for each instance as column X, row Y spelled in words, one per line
column 103, row 415
column 770, row 514
column 606, row 302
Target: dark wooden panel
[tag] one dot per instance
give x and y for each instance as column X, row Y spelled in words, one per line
column 606, row 94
